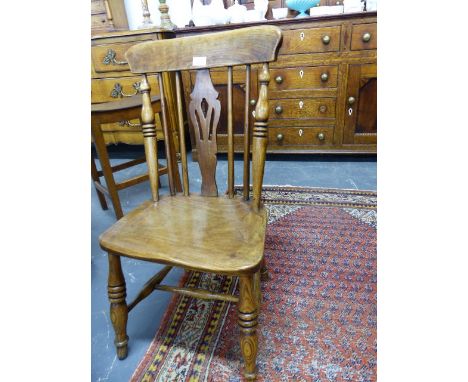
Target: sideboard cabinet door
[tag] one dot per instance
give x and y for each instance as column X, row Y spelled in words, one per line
column 361, row 105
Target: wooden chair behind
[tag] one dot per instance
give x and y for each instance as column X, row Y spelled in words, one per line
column 108, row 112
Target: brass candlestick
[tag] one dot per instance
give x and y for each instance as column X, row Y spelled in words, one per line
column 166, row 22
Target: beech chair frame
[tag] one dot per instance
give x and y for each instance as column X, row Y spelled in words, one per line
column 242, row 47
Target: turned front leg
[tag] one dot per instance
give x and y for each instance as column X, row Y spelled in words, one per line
column 248, row 313
column 118, row 307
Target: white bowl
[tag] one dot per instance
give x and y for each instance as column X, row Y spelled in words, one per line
column 280, row 13
column 252, row 15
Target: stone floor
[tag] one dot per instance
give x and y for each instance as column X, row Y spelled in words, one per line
column 349, row 172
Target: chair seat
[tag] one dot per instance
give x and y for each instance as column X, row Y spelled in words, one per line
column 209, row 234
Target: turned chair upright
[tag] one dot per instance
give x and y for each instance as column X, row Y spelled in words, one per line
column 201, row 232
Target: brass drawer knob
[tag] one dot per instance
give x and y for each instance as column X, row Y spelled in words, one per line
column 253, row 102
column 351, row 100
column 279, row 80
column 366, row 37
column 324, row 77
column 326, row 39
column 322, row 108
column 278, row 109
column 279, row 137
column 321, row 136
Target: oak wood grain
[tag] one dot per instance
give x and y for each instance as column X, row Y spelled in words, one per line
column 302, row 108
column 304, row 77
column 358, row 32
column 310, row 40
column 308, row 53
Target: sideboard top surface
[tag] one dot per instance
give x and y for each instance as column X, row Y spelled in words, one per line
column 303, row 20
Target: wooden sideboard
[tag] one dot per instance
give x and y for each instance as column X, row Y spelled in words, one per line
column 112, row 80
column 323, row 88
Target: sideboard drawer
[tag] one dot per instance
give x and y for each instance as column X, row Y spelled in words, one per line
column 311, row 40
column 111, row 89
column 299, row 136
column 364, row 36
column 302, row 108
column 110, row 58
column 307, row 77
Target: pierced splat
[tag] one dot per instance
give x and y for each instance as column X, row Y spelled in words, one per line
column 204, row 112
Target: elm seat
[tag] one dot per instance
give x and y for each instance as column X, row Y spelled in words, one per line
column 223, row 236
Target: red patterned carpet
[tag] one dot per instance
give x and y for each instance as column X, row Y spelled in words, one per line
column 319, row 313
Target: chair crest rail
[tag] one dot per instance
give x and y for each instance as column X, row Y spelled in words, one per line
column 231, row 48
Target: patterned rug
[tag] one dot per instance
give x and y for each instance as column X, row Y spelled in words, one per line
column 319, row 314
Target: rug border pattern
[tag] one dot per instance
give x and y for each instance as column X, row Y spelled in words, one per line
column 330, row 202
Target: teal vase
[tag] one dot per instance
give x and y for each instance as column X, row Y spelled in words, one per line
column 301, row 6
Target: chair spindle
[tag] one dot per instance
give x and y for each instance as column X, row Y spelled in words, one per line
column 260, row 136
column 246, row 181
column 149, row 133
column 230, row 136
column 183, row 151
column 167, row 137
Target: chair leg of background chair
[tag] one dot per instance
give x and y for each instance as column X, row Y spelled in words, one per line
column 106, row 167
column 248, row 313
column 118, row 306
column 95, row 178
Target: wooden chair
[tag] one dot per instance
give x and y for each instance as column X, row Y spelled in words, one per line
column 201, row 232
column 109, row 112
